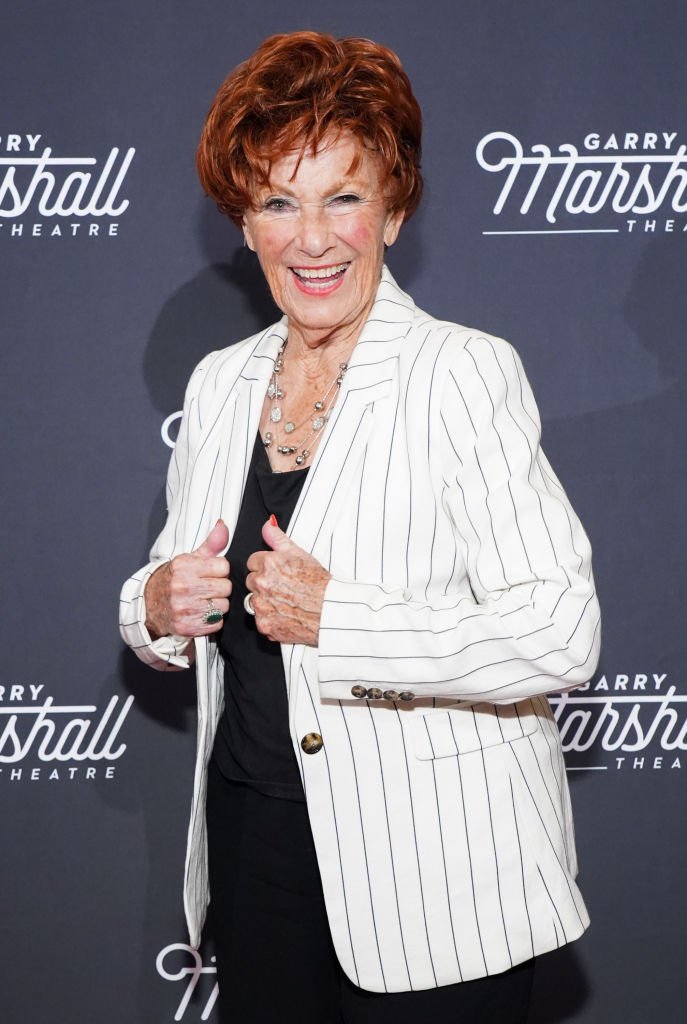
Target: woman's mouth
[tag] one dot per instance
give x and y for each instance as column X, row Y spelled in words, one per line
column 319, row 280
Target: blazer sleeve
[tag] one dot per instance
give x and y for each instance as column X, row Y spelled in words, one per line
column 529, row 622
column 168, row 653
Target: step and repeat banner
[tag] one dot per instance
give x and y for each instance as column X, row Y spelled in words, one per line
column 555, row 215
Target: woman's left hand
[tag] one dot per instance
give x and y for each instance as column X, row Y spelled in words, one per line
column 286, row 587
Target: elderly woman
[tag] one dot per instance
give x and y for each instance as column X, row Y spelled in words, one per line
column 379, row 578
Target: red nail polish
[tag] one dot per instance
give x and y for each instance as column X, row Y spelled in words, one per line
column 273, row 520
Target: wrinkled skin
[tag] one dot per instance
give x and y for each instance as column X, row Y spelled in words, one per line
column 287, row 587
column 177, row 593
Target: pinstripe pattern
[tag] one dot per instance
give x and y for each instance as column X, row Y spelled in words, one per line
column 442, row 825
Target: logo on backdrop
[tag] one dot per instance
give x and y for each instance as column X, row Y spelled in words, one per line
column 623, row 722
column 41, row 740
column 181, row 963
column 44, row 194
column 632, row 182
column 170, row 428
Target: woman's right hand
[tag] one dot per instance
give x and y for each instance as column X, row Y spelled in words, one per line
column 177, row 595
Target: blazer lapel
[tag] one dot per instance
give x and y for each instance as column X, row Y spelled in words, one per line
column 224, row 458
column 251, row 388
column 369, row 379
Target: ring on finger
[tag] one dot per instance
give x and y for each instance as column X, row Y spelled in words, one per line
column 248, row 604
column 212, row 614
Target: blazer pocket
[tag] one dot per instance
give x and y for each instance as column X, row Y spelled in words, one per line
column 462, row 731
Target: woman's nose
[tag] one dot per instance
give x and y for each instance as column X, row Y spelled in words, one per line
column 314, row 230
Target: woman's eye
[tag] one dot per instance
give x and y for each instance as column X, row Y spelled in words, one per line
column 275, row 204
column 348, row 199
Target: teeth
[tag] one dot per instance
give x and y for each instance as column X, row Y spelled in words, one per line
column 318, row 273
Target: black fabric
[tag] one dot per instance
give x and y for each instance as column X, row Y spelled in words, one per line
column 253, row 744
column 275, row 959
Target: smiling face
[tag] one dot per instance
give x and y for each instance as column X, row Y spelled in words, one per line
column 319, row 231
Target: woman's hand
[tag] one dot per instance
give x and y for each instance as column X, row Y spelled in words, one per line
column 177, row 595
column 286, row 589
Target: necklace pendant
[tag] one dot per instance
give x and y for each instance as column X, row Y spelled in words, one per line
column 275, row 414
column 272, row 391
column 267, row 440
column 318, row 423
column 300, row 459
column 289, row 427
column 319, row 406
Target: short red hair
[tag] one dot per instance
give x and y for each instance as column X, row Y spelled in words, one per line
column 294, row 91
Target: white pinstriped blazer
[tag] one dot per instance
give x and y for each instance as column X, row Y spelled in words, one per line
column 442, row 824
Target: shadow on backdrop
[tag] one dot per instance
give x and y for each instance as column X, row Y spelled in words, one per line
column 619, row 465
column 625, row 468
column 560, row 989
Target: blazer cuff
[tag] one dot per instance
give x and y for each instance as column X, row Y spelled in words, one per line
column 165, row 653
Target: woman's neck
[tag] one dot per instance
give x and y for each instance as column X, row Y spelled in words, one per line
column 314, row 352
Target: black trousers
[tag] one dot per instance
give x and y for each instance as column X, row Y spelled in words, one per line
column 275, row 959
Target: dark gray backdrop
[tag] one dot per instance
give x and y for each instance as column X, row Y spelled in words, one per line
column 100, row 332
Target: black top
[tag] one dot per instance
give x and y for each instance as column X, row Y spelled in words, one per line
column 253, row 745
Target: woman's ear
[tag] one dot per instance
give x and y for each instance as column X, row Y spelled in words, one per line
column 393, row 226
column 247, row 235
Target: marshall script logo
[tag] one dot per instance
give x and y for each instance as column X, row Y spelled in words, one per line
column 631, row 182
column 38, row 738
column 43, row 194
column 179, row 962
column 623, row 722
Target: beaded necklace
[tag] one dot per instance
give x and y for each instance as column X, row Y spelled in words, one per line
column 316, row 419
